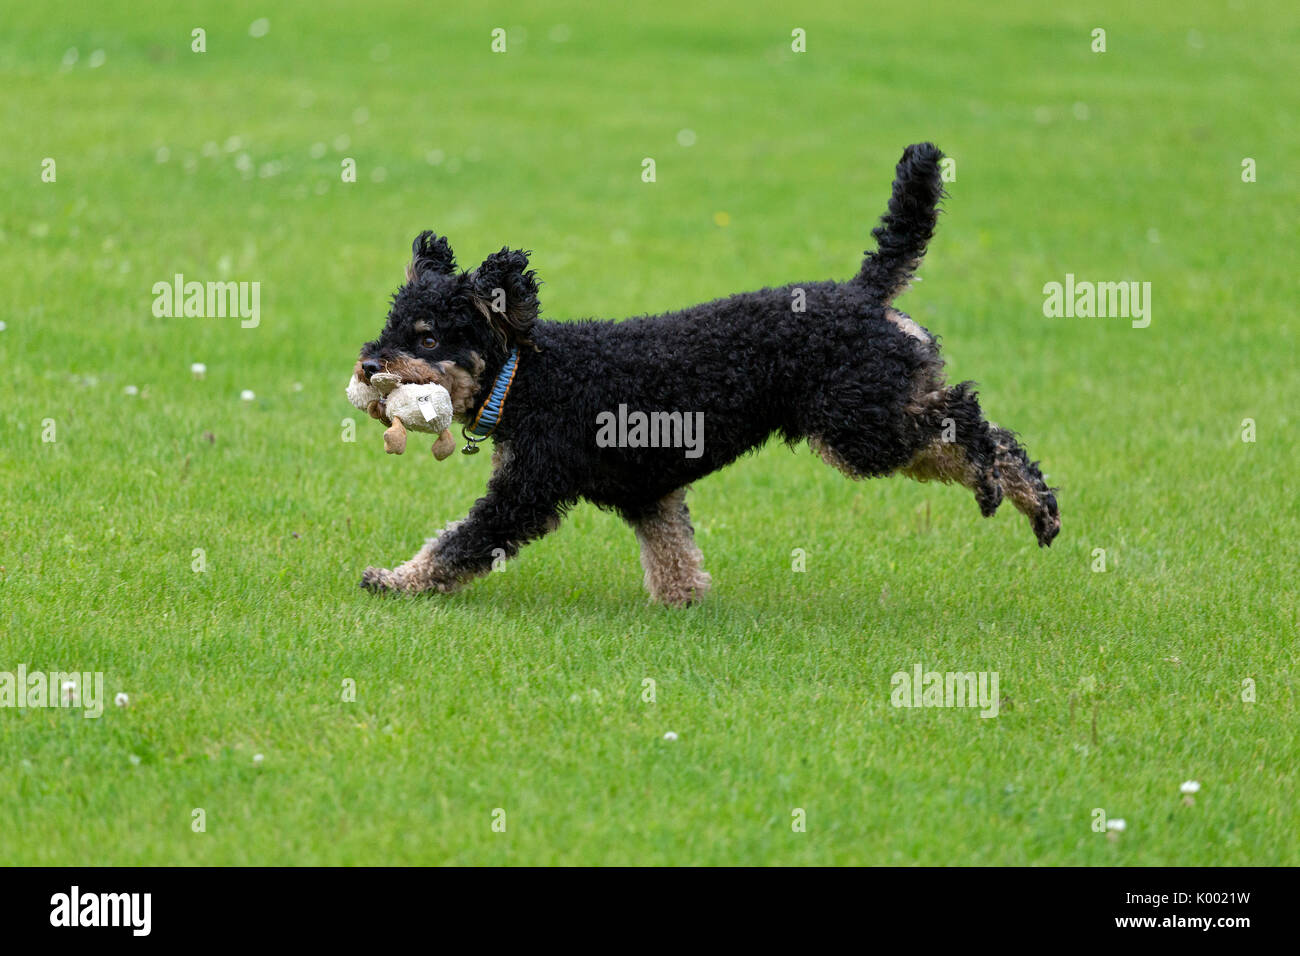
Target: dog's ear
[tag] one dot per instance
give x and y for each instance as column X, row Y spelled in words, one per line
column 504, row 289
column 430, row 253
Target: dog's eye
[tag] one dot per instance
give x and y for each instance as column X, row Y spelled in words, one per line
column 428, row 343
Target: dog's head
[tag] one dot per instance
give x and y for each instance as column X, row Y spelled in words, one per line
column 454, row 328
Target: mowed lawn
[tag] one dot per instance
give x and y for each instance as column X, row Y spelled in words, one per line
column 523, row 700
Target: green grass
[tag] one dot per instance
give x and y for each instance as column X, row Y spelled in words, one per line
column 524, row 692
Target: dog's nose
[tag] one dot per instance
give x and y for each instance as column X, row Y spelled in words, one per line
column 371, row 367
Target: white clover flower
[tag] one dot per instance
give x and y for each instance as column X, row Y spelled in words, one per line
column 1189, row 786
column 247, row 395
column 257, row 760
column 199, row 369
column 131, row 390
column 121, row 700
column 1118, row 824
column 670, row 736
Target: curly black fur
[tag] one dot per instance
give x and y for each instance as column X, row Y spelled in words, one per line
column 858, row 379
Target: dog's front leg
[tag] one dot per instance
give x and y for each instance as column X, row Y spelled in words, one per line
column 499, row 524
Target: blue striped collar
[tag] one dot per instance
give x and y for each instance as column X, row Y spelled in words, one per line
column 485, row 422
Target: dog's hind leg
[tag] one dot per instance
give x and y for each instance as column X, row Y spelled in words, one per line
column 674, row 572
column 971, row 452
column 960, row 449
column 1023, row 483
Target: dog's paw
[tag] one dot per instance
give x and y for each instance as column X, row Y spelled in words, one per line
column 690, row 588
column 1047, row 523
column 380, row 581
column 410, row 578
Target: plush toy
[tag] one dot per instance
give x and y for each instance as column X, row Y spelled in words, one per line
column 421, row 408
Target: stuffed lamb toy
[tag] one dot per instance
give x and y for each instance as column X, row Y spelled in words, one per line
column 421, row 408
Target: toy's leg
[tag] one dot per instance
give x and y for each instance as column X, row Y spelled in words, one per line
column 395, row 438
column 499, row 524
column 674, row 572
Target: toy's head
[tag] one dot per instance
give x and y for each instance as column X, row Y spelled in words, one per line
column 451, row 328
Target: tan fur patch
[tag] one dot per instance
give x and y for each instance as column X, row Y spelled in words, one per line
column 500, row 457
column 908, row 326
column 942, row 461
column 674, row 573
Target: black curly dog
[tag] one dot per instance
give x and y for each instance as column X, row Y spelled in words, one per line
column 831, row 362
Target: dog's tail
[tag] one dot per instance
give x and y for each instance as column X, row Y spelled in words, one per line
column 906, row 228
